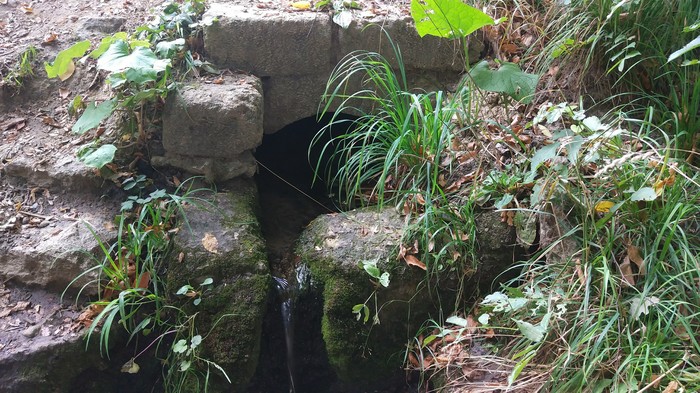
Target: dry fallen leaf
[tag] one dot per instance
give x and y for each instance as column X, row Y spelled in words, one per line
column 411, row 260
column 671, row 387
column 210, row 243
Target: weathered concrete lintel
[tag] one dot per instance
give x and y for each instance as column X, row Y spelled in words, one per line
column 294, row 53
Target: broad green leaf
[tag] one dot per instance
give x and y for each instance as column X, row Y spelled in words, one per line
column 343, row 18
column 63, row 64
column 93, row 116
column 99, row 157
column 185, row 365
column 180, row 346
column 530, row 331
column 520, row 366
column 685, row 49
column 371, row 268
column 544, row 154
column 197, row 301
column 118, row 59
column 459, row 321
column 447, row 18
column 168, row 49
column 507, row 79
column 106, row 42
column 207, row 281
column 644, row 194
column 506, row 199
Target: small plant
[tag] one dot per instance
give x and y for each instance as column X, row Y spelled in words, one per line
column 361, row 310
column 141, row 69
column 17, row 74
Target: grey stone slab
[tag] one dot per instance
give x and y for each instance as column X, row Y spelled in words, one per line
column 427, row 53
column 214, row 120
column 268, row 42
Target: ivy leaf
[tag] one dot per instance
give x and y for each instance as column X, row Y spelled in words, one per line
column 447, row 18
column 63, row 66
column 343, row 18
column 384, row 279
column 99, row 157
column 180, row 346
column 196, row 340
column 93, row 116
column 507, row 79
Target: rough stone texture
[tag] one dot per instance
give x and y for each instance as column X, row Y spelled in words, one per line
column 54, row 255
column 103, row 24
column 66, row 173
column 333, row 246
column 211, row 129
column 295, row 52
column 268, row 43
column 238, row 265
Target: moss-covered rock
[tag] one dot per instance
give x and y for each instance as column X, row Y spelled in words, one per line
column 222, row 241
column 334, row 247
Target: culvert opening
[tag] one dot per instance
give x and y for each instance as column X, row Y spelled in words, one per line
column 290, row 199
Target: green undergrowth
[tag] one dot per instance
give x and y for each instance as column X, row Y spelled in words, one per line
column 141, row 68
column 129, row 276
column 608, row 299
column 15, row 75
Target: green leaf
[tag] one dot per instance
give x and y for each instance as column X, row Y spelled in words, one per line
column 64, row 60
column 197, row 301
column 644, row 194
column 506, row 199
column 544, row 154
column 93, row 116
column 343, row 18
column 459, row 321
column 118, row 59
column 185, row 365
column 507, row 79
column 207, row 281
column 196, row 340
column 384, row 279
column 484, row 319
column 530, row 331
column 106, row 42
column 99, row 157
column 685, row 49
column 371, row 268
column 180, row 346
column 447, row 18
column 168, row 49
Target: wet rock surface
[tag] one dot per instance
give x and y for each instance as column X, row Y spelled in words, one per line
column 221, row 241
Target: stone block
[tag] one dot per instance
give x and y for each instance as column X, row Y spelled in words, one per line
column 221, row 240
column 427, row 53
column 214, row 120
column 290, row 98
column 268, row 42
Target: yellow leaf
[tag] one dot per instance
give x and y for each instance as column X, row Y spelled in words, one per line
column 603, row 206
column 210, row 243
column 301, row 5
column 130, row 367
